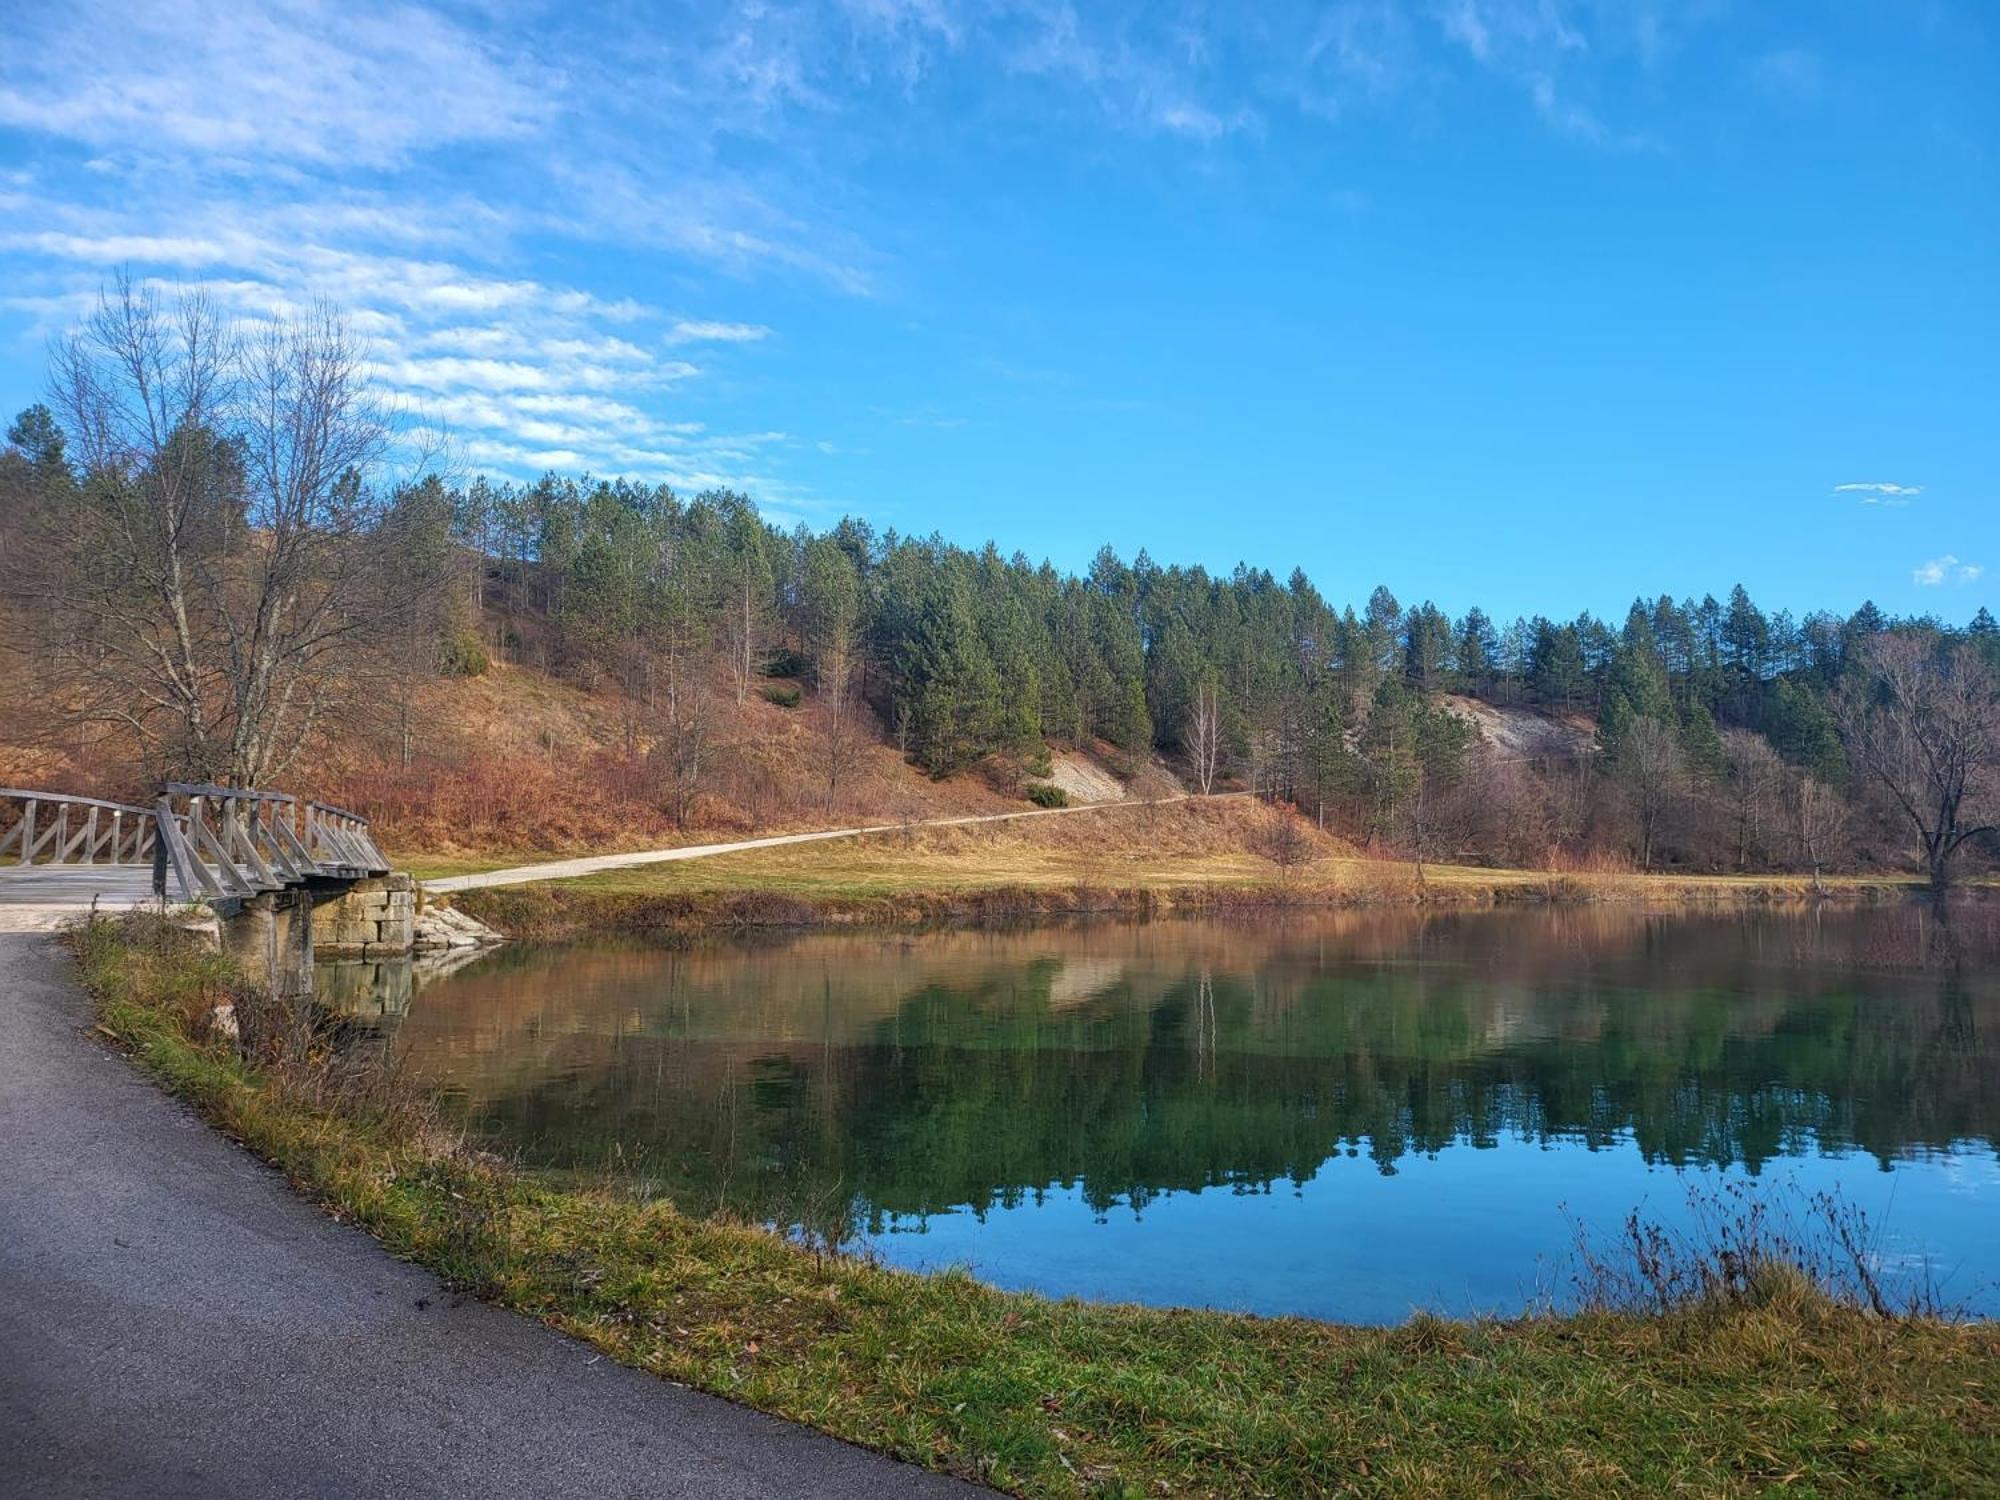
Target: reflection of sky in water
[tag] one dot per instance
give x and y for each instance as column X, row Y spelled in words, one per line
column 1464, row 1231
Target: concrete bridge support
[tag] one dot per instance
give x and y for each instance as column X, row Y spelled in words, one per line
column 276, row 936
column 270, row 937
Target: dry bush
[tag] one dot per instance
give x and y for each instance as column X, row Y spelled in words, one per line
column 1587, row 862
column 524, row 803
column 1750, row 1244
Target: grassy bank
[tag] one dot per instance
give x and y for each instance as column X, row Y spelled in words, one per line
column 1191, row 858
column 1780, row 1385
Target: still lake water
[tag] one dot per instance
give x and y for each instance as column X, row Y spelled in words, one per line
column 1347, row 1116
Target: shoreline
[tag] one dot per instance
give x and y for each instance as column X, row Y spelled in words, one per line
column 565, row 910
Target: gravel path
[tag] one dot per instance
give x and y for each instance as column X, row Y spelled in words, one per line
column 174, row 1321
column 569, row 869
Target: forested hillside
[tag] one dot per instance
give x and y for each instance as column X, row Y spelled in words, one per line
column 174, row 609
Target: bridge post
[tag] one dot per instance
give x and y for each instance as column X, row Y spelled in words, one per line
column 270, row 937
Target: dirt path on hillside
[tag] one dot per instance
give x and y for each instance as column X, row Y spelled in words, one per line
column 597, row 864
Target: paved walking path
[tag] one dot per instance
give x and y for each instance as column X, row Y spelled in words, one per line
column 175, row 1322
column 569, row 869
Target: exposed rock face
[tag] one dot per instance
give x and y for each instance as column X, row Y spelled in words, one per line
column 373, row 919
column 439, row 928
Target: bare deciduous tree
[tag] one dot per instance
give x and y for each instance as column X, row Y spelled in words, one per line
column 1569, row 793
column 1818, row 815
column 834, row 670
column 1205, row 736
column 1921, row 720
column 1753, row 785
column 1285, row 841
column 680, row 750
column 216, row 579
column 1650, row 768
column 683, row 643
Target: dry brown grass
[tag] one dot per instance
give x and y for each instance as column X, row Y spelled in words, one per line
column 1130, row 859
column 518, row 763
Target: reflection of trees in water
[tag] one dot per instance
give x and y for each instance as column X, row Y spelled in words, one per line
column 1202, row 1059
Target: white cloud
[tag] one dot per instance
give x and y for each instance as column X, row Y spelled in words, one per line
column 703, row 332
column 1945, row 569
column 1892, row 490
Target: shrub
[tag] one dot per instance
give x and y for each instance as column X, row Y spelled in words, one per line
column 1045, row 794
column 461, row 655
column 785, row 662
column 1746, row 1245
column 784, row 697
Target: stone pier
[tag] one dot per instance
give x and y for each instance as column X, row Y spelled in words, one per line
column 372, row 918
column 275, row 937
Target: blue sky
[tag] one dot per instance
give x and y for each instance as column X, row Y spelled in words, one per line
column 1532, row 303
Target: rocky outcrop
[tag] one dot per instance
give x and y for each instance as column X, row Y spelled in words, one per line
column 441, row 928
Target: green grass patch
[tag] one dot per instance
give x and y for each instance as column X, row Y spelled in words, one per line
column 1788, row 1388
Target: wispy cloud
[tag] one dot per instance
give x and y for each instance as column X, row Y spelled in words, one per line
column 445, row 172
column 251, row 81
column 1945, row 569
column 1890, row 496
column 698, row 332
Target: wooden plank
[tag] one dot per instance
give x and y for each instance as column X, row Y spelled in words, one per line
column 23, row 794
column 83, row 837
column 223, row 878
column 170, row 849
column 243, row 846
column 38, row 841
column 301, row 858
column 220, row 874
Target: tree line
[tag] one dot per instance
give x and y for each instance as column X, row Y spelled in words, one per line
column 214, row 556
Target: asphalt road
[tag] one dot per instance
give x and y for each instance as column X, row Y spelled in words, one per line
column 174, row 1322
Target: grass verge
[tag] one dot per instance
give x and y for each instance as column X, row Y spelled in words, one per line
column 1778, row 1384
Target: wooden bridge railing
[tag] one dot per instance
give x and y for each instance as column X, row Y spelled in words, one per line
column 220, row 842
column 51, row 828
column 208, row 842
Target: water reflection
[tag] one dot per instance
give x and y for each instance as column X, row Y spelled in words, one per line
column 1022, row 1097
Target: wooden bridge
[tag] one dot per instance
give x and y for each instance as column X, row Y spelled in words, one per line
column 271, row 868
column 195, row 843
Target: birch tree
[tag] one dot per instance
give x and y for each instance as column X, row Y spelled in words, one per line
column 217, row 582
column 1205, row 735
